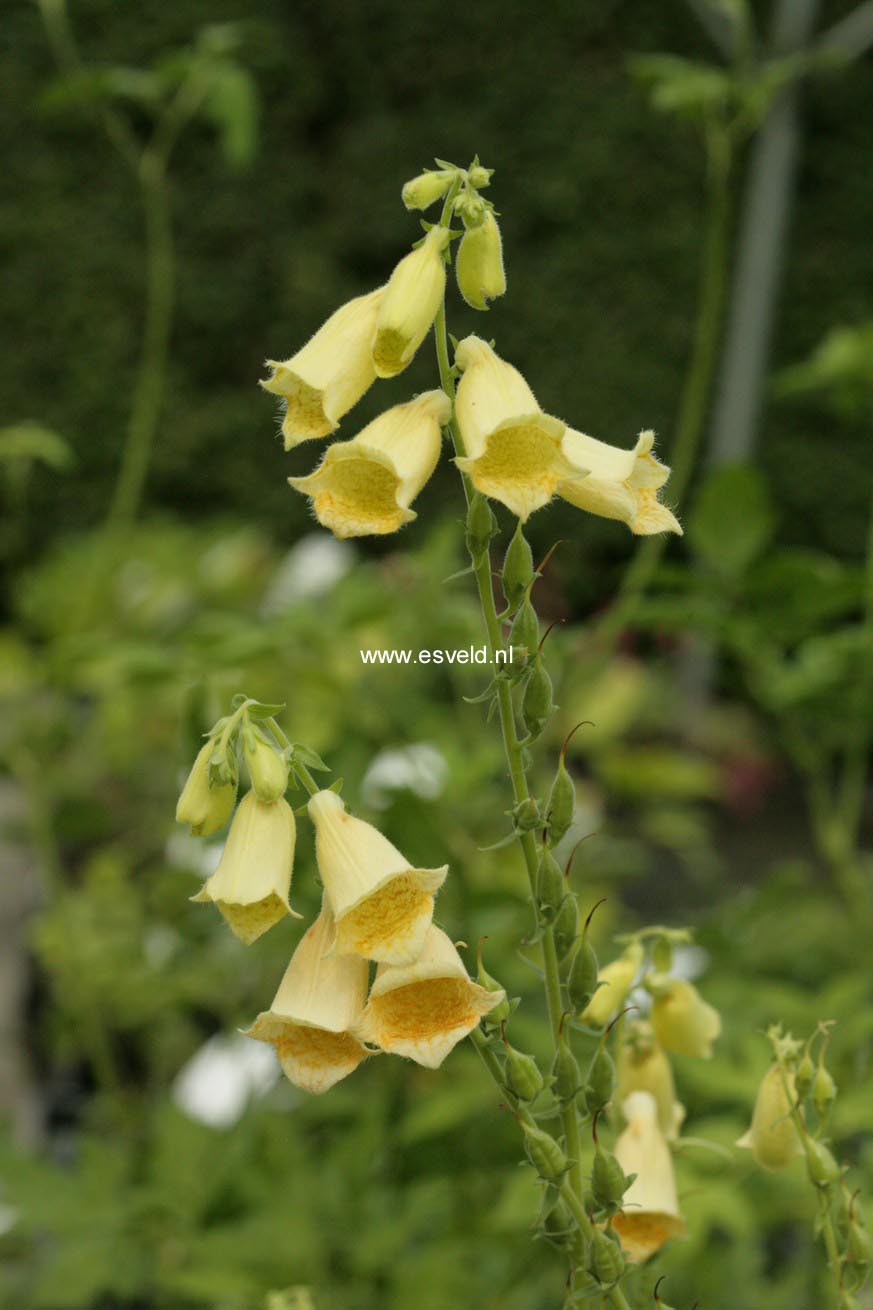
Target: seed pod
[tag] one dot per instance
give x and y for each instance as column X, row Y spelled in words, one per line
column 566, row 926
column 526, row 815
column 859, row 1244
column 605, row 1258
column 518, row 568
column 558, row 1225
column 523, row 1077
column 582, row 975
column 537, row 704
column 501, row 1012
column 544, row 1153
column 821, row 1166
column 803, row 1078
column 600, row 1080
column 566, row 1074
column 824, row 1090
column 525, row 630
column 609, row 1182
column 481, row 526
column 550, row 887
column 561, row 804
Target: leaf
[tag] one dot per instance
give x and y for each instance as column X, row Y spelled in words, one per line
column 231, row 105
column 310, row 758
column 731, row 521
column 33, row 441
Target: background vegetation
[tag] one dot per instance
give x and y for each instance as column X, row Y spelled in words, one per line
column 727, row 774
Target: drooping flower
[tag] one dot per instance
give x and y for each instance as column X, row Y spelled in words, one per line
column 253, row 878
column 420, row 192
column 423, row 1009
column 682, row 1020
column 329, row 374
column 312, row 1018
column 382, row 906
column 621, row 484
column 773, row 1138
column 642, row 1066
column 203, row 807
column 614, row 982
column 513, row 450
column 649, row 1213
column 365, row 486
column 412, row 297
column 479, row 263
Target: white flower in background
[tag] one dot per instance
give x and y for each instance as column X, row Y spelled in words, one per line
column 419, row 768
column 217, row 1083
column 312, row 567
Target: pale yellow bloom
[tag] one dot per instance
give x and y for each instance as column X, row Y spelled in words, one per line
column 381, row 904
column 682, row 1020
column 479, row 263
column 621, row 484
column 205, row 809
column 311, row 1020
column 253, row 878
column 421, row 192
column 614, row 982
column 365, row 486
column 642, row 1066
column 513, row 450
column 650, row 1208
column 412, row 297
column 773, row 1138
column 330, row 373
column 422, row 1010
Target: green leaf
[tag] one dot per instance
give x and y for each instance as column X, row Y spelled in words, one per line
column 731, row 521
column 33, row 441
column 310, row 758
column 231, row 105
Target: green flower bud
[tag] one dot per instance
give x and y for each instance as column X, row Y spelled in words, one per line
column 824, row 1090
column 582, row 975
column 566, row 926
column 480, row 177
column 544, row 1153
column 479, row 263
column 481, row 526
column 518, row 568
column 205, row 808
column 550, row 886
column 609, row 1181
column 561, row 804
column 821, row 1166
column 267, row 769
column 605, row 1258
column 537, row 705
column 525, row 630
column 523, row 1077
column 566, row 1075
column 804, row 1076
column 421, row 192
column 600, row 1080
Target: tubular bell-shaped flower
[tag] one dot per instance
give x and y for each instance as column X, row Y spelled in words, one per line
column 412, row 297
column 682, row 1020
column 650, row 1207
column 311, row 1020
column 513, row 450
column 479, row 263
column 203, row 807
column 773, row 1138
column 620, row 484
column 365, row 486
column 614, row 982
column 253, row 878
column 422, row 1010
column 382, row 906
column 642, row 1066
column 329, row 374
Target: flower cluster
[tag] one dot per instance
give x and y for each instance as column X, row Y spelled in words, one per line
column 376, row 907
column 510, row 450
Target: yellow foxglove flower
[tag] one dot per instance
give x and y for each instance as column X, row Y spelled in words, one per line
column 423, row 1010
column 642, row 1066
column 311, row 1020
column 681, row 1019
column 205, row 809
column 615, row 981
column 412, row 297
column 382, row 906
column 620, row 484
column 253, row 878
column 773, row 1138
column 329, row 374
column 365, row 486
column 513, row 450
column 479, row 263
column 650, row 1208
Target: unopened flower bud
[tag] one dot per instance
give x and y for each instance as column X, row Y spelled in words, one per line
column 605, row 1259
column 203, row 807
column 518, row 568
column 544, row 1153
column 821, row 1166
column 421, row 192
column 267, row 769
column 804, row 1075
column 479, row 263
column 561, row 804
column 549, row 886
column 682, row 1020
column 824, row 1090
column 479, row 177
column 773, row 1138
column 523, row 1077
